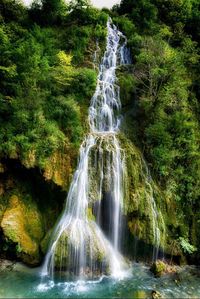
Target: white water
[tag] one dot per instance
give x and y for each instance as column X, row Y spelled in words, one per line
column 86, row 240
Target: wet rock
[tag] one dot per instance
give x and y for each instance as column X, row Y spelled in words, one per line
column 45, row 241
column 139, row 202
column 155, row 295
column 65, row 250
column 6, row 265
column 158, row 268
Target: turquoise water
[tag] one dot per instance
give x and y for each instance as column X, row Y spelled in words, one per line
column 23, row 282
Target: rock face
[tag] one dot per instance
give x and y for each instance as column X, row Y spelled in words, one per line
column 28, row 217
column 31, row 200
column 22, row 226
column 140, row 205
column 150, row 212
column 59, row 169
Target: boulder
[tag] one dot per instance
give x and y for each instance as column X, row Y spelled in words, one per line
column 158, row 268
column 22, row 226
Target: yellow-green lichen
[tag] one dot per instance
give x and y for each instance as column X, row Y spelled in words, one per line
column 22, row 226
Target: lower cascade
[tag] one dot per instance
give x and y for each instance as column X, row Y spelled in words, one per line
column 86, row 242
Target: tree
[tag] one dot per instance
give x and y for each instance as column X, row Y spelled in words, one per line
column 63, row 72
column 143, row 13
column 79, row 4
column 12, row 10
column 48, row 12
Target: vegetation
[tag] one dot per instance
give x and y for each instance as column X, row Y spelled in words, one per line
column 47, row 77
column 161, row 100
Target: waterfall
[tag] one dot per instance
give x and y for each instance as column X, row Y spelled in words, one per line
column 155, row 213
column 86, row 240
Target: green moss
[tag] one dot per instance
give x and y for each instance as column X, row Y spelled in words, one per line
column 90, row 215
column 22, row 225
column 134, row 180
column 158, row 268
column 46, row 241
column 61, row 254
column 139, row 195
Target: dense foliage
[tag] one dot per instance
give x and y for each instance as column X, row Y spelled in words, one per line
column 46, row 81
column 162, row 89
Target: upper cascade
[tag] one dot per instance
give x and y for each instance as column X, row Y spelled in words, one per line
column 105, row 103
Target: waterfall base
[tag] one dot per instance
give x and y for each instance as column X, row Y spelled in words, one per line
column 82, row 251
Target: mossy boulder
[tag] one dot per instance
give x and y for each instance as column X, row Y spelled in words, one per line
column 68, row 246
column 161, row 267
column 158, row 268
column 61, row 254
column 22, row 226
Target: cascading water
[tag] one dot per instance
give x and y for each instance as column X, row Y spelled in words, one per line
column 157, row 218
column 86, row 240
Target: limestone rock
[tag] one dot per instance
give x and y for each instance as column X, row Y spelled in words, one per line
column 22, row 225
column 59, row 169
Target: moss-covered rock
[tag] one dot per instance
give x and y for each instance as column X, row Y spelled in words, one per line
column 158, row 268
column 61, row 254
column 146, row 205
column 22, row 226
column 68, row 246
column 59, row 168
column 140, row 204
column 44, row 244
column 161, row 267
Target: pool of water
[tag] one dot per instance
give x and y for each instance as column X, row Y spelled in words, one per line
column 23, row 282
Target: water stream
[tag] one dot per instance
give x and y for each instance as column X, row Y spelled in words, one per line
column 86, row 240
column 24, row 282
